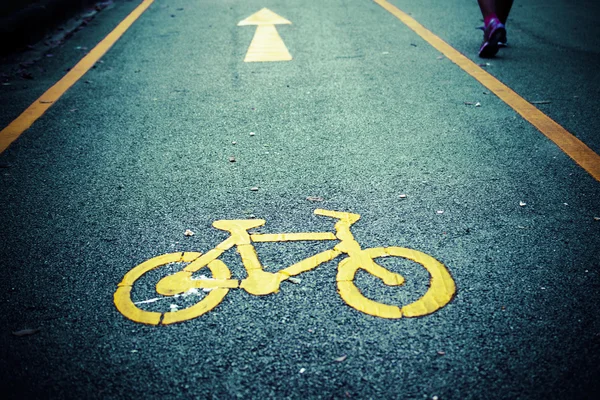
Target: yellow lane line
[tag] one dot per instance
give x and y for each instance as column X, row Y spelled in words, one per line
column 39, row 107
column 567, row 142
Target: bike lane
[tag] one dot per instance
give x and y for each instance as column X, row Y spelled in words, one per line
column 365, row 118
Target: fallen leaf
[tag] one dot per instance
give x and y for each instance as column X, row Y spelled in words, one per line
column 340, row 359
column 188, row 233
column 315, row 198
column 25, row 332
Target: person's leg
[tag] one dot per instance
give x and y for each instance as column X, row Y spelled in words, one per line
column 488, row 9
column 494, row 31
column 503, row 9
column 495, row 8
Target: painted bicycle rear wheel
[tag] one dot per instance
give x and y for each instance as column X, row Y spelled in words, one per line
column 203, row 294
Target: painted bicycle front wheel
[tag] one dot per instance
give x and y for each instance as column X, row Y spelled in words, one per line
column 201, row 295
column 439, row 293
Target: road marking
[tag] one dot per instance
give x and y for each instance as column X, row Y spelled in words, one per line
column 39, row 107
column 260, row 282
column 266, row 44
column 567, row 142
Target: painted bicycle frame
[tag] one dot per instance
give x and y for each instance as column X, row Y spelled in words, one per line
column 260, row 282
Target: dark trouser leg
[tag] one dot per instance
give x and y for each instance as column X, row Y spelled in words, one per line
column 503, row 9
column 487, row 7
column 499, row 7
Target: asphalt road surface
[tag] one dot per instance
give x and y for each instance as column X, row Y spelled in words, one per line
column 172, row 130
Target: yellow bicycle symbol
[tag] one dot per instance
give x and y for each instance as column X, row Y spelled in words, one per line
column 259, row 282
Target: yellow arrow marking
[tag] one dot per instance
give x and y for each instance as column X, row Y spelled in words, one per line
column 266, row 45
